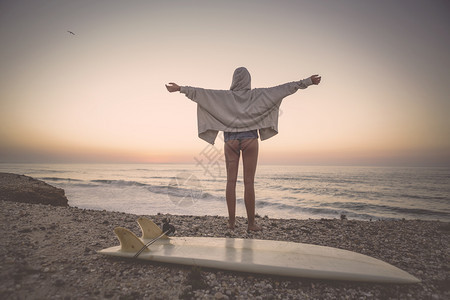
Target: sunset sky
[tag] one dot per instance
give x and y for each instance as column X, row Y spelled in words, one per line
column 99, row 95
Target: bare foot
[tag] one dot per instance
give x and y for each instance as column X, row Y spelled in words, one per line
column 230, row 226
column 254, row 228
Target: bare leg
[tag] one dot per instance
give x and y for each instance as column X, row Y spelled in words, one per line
column 232, row 154
column 250, row 160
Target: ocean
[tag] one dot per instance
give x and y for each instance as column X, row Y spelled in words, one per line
column 292, row 192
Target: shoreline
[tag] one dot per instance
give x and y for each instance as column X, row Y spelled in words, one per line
column 50, row 252
column 310, row 192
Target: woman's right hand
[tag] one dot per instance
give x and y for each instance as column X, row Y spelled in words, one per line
column 173, row 87
column 316, row 79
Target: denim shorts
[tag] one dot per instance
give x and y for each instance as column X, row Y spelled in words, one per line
column 252, row 134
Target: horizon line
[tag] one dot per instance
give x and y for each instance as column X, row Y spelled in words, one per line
column 374, row 165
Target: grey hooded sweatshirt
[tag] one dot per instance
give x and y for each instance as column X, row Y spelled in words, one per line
column 240, row 108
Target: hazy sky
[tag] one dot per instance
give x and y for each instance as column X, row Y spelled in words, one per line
column 99, row 95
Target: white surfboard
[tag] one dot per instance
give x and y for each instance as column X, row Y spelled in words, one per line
column 257, row 256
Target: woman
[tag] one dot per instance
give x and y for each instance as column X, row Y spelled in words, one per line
column 240, row 112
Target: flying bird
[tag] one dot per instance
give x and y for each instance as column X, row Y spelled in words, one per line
column 70, row 32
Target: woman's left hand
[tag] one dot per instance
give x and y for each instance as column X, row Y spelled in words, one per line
column 173, row 87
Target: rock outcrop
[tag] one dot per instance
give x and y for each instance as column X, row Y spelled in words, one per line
column 21, row 188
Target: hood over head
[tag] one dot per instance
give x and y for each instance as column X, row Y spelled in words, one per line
column 241, row 80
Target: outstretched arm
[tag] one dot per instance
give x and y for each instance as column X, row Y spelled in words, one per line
column 173, row 87
column 316, row 79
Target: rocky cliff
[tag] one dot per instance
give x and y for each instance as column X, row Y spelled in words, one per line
column 21, row 188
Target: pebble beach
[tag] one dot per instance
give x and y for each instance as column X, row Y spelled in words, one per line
column 50, row 252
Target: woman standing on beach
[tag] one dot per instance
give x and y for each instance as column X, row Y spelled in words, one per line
column 240, row 112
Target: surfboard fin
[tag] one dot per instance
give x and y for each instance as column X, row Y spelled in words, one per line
column 129, row 242
column 149, row 229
